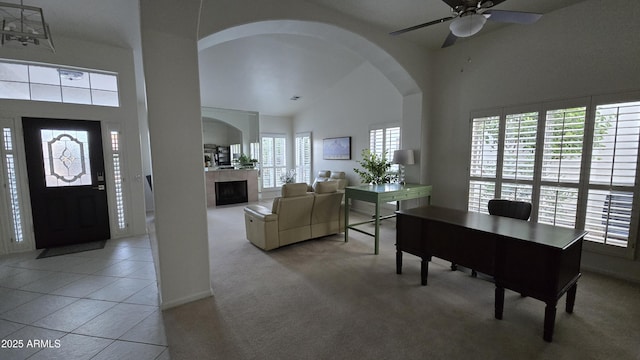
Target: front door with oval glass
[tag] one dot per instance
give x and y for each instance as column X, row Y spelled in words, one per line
column 65, row 166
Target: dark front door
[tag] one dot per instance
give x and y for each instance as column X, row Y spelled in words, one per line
column 66, row 181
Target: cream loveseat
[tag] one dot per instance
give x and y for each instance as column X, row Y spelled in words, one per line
column 296, row 215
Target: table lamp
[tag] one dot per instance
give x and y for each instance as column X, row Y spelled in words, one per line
column 402, row 158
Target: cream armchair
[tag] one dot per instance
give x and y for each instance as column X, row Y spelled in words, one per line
column 340, row 177
column 326, row 175
column 288, row 221
column 296, row 216
column 327, row 214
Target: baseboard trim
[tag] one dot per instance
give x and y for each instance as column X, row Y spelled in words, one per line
column 184, row 300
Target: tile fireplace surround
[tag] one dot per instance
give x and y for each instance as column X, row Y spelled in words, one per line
column 226, row 175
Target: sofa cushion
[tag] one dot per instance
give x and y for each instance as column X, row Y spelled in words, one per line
column 294, row 189
column 326, row 187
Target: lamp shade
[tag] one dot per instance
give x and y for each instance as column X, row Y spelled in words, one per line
column 467, row 25
column 403, row 157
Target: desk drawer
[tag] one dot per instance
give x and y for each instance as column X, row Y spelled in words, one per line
column 405, row 195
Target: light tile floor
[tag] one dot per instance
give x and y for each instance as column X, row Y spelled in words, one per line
column 100, row 304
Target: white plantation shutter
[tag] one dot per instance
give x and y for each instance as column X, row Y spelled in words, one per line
column 484, row 162
column 613, row 171
column 561, row 166
column 235, row 149
column 576, row 163
column 11, row 196
column 484, row 147
column 376, row 141
column 392, row 143
column 254, row 150
column 519, row 156
column 480, row 192
column 385, row 140
column 274, row 160
column 303, row 157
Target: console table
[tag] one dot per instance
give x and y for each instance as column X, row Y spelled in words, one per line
column 536, row 260
column 380, row 194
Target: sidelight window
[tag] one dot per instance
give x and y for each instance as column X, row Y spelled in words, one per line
column 11, row 185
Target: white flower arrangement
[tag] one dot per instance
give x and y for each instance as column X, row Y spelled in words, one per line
column 289, row 176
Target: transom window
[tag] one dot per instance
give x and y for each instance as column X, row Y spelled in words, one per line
column 576, row 162
column 29, row 81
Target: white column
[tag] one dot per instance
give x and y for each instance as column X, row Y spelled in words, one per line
column 170, row 58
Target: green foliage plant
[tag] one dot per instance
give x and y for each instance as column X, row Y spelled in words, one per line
column 375, row 168
column 245, row 161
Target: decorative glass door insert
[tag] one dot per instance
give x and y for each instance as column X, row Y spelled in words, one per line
column 66, row 157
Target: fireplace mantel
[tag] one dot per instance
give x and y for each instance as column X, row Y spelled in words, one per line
column 224, row 175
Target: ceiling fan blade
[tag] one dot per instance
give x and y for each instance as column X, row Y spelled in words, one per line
column 453, row 3
column 415, row 27
column 517, row 17
column 450, row 40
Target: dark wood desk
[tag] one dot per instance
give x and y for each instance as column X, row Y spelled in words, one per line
column 536, row 260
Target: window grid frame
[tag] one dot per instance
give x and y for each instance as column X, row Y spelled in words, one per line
column 60, row 86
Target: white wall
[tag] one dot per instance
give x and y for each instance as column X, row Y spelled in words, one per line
column 245, row 121
column 361, row 99
column 587, row 49
column 72, row 52
column 170, row 59
column 219, row 133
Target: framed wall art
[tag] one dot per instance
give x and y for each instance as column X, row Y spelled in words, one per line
column 338, row 148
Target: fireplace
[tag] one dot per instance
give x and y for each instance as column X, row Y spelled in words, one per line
column 231, row 192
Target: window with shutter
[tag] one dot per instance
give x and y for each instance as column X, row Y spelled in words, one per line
column 303, row 157
column 519, row 156
column 11, row 196
column 385, row 139
column 561, row 166
column 613, row 172
column 274, row 160
column 579, row 172
column 484, row 162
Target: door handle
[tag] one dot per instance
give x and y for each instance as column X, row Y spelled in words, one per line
column 99, row 187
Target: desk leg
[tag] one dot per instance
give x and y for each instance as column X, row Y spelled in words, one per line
column 499, row 305
column 424, row 270
column 571, row 297
column 377, row 230
column 549, row 321
column 398, row 262
column 346, row 218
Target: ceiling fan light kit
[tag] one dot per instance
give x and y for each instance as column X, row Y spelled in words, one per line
column 24, row 25
column 469, row 16
column 469, row 25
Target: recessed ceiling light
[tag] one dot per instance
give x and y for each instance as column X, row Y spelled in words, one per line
column 295, row 97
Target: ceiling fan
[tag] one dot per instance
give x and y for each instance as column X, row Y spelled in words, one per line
column 469, row 16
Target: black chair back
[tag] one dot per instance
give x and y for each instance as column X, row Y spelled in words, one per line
column 509, row 208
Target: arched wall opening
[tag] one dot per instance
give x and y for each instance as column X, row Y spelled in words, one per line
column 412, row 113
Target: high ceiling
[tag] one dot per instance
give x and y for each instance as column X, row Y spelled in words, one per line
column 261, row 73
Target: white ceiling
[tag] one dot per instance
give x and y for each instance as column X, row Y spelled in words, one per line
column 261, row 73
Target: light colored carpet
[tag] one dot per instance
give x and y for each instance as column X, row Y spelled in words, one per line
column 327, row 299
